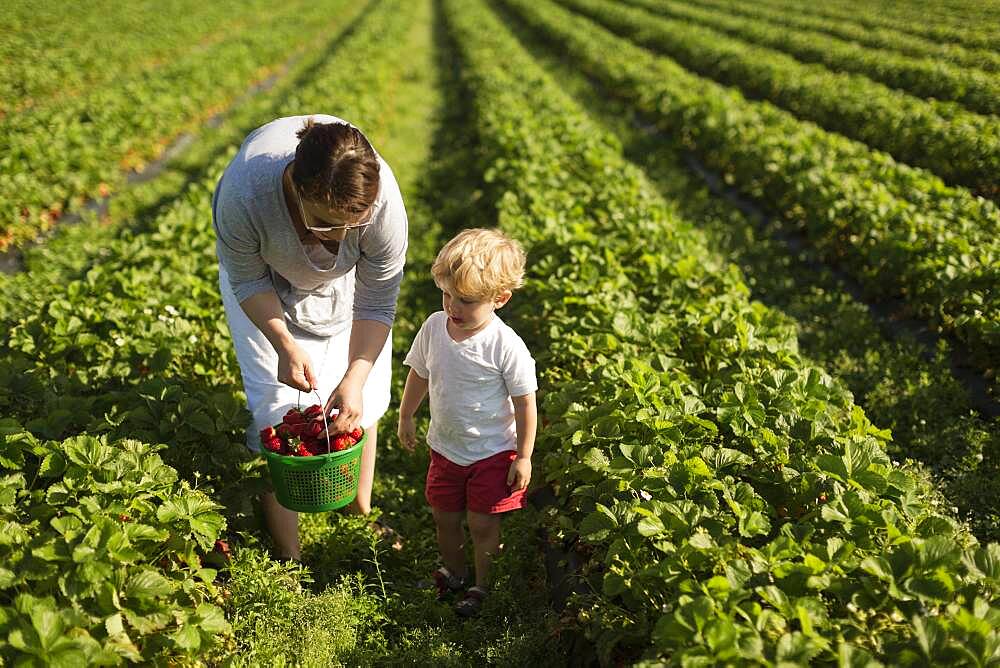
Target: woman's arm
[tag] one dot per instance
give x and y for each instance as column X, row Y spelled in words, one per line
column 367, row 340
column 294, row 366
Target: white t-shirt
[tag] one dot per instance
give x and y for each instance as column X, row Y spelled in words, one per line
column 471, row 383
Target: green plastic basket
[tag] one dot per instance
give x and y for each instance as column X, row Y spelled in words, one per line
column 318, row 483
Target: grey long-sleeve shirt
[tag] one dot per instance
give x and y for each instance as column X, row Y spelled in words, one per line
column 258, row 246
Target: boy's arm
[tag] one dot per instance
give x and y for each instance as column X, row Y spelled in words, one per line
column 526, row 422
column 413, row 394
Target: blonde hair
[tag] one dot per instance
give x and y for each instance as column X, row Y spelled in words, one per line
column 480, row 264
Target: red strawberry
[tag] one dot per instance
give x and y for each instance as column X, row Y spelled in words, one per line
column 313, row 411
column 356, row 434
column 293, row 416
column 267, row 433
column 302, row 451
column 274, row 444
column 313, row 429
column 284, row 431
column 342, row 442
column 222, row 547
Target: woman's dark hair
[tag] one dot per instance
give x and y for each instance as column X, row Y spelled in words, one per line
column 335, row 164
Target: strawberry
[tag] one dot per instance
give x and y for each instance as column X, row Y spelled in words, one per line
column 267, row 433
column 356, row 434
column 284, row 431
column 313, row 429
column 222, row 547
column 313, row 411
column 316, row 447
column 342, row 442
column 293, row 417
column 274, row 444
column 302, row 451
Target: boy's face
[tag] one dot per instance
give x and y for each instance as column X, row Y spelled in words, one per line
column 470, row 315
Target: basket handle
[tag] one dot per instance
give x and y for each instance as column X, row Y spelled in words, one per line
column 326, row 427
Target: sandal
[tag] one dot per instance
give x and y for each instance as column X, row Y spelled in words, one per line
column 446, row 584
column 472, row 603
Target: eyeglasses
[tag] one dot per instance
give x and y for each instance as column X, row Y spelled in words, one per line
column 328, row 228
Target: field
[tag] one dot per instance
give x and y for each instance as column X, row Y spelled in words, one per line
column 763, row 293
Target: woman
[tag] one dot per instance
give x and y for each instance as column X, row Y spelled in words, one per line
column 311, row 240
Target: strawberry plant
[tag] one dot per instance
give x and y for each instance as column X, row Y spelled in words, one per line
column 734, row 505
column 961, row 147
column 102, row 554
column 898, row 231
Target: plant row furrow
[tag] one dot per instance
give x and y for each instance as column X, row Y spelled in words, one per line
column 961, row 147
column 977, row 90
column 54, row 159
column 902, row 385
column 738, row 508
column 131, row 342
column 52, row 52
column 880, row 38
column 910, row 19
column 939, row 253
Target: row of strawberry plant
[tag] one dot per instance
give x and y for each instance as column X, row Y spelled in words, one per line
column 924, row 77
column 103, row 554
column 932, row 414
column 945, row 27
column 129, row 337
column 879, row 38
column 57, row 158
column 54, row 51
column 739, row 507
column 940, row 253
column 959, row 146
column 136, row 345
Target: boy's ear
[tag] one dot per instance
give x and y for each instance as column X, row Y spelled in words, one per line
column 502, row 298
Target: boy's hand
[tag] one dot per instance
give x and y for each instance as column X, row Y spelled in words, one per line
column 519, row 474
column 407, row 433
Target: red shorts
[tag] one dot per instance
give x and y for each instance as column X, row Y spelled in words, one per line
column 480, row 487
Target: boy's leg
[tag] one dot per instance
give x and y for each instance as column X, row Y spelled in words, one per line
column 451, row 540
column 485, row 530
column 283, row 524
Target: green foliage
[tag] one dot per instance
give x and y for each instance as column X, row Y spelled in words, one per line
column 736, row 505
column 898, row 231
column 82, row 146
column 959, row 146
column 923, row 76
column 102, row 554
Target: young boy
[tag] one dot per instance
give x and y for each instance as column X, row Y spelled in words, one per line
column 481, row 380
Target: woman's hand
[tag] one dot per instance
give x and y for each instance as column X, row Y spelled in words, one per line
column 295, row 369
column 407, row 433
column 347, row 399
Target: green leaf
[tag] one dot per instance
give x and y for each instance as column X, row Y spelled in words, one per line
column 53, row 465
column 187, row 637
column 147, row 584
column 849, row 656
column 614, row 584
column 212, row 619
column 595, row 459
column 596, row 525
column 651, row 526
column 701, row 540
column 753, row 523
